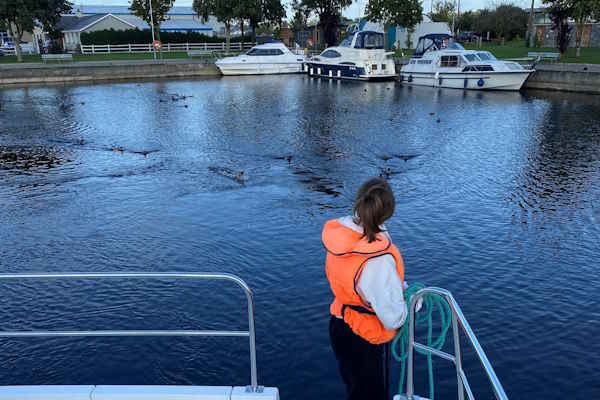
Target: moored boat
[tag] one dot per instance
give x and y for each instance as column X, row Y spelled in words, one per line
column 439, row 61
column 361, row 56
column 263, row 59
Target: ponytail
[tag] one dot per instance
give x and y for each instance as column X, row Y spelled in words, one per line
column 373, row 206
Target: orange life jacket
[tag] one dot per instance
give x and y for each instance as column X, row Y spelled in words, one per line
column 347, row 254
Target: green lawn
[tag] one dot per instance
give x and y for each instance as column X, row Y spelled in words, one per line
column 518, row 50
column 101, row 57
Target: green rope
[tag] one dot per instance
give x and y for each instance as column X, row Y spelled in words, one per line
column 425, row 315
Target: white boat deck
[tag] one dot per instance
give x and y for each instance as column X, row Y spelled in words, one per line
column 134, row 392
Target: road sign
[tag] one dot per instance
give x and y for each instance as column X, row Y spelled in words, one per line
column 157, row 45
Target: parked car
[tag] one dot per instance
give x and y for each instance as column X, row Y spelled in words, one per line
column 467, row 36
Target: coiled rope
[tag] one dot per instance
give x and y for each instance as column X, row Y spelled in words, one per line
column 431, row 302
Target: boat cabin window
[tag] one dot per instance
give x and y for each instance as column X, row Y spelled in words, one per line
column 486, row 56
column 330, row 54
column 449, row 61
column 471, row 57
column 424, row 62
column 265, row 52
column 369, row 40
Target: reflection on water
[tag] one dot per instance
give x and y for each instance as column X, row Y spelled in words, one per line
column 497, row 200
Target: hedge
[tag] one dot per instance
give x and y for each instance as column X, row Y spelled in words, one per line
column 137, row 36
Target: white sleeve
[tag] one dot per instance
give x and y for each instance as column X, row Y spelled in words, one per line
column 380, row 285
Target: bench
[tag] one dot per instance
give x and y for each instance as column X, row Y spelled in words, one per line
column 544, row 56
column 200, row 53
column 57, row 57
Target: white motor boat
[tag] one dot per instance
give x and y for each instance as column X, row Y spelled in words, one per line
column 438, row 61
column 360, row 56
column 268, row 58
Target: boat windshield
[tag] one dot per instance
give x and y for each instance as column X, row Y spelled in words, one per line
column 346, row 42
column 472, row 57
column 369, row 40
column 436, row 41
column 486, row 56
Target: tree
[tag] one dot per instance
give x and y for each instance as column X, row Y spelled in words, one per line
column 443, row 11
column 225, row 11
column 300, row 18
column 405, row 13
column 582, row 12
column 329, row 12
column 560, row 11
column 466, row 21
column 20, row 16
column 160, row 10
column 510, row 21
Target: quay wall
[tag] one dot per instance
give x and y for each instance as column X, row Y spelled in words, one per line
column 583, row 78
column 25, row 74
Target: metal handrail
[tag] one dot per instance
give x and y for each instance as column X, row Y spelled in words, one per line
column 250, row 333
column 457, row 318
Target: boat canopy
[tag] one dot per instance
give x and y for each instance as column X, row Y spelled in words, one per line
column 435, row 41
column 368, row 40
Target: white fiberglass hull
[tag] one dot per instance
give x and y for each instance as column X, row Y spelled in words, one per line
column 509, row 80
column 259, row 68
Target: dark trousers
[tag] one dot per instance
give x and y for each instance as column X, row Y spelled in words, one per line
column 363, row 365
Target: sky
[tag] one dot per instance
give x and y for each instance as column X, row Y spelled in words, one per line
column 354, row 11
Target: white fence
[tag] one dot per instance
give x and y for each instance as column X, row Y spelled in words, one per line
column 145, row 48
column 9, row 51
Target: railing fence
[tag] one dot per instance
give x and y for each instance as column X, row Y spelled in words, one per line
column 166, row 47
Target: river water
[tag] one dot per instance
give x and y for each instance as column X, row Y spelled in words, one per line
column 497, row 200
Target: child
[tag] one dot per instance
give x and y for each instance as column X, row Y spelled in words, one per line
column 366, row 274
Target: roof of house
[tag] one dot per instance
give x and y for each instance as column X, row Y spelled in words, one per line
column 168, row 25
column 73, row 23
column 124, row 10
column 70, row 23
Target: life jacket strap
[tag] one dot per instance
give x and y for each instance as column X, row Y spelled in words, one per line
column 359, row 309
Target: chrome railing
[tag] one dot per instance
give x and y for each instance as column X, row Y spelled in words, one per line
column 250, row 333
column 457, row 318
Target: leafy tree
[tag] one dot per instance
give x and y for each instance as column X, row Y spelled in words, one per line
column 466, row 21
column 560, row 11
column 510, row 21
column 299, row 21
column 405, row 13
column 19, row 16
column 329, row 12
column 583, row 11
column 443, row 10
column 225, row 11
column 160, row 9
column 485, row 21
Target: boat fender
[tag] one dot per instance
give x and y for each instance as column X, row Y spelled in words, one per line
column 401, row 77
column 480, row 82
column 410, row 78
column 437, row 78
column 440, row 79
column 466, row 83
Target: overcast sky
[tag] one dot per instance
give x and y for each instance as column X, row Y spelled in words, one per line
column 355, row 10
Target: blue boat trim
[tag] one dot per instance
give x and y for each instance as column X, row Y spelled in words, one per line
column 347, row 71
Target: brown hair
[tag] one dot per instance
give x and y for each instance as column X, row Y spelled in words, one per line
column 373, row 206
